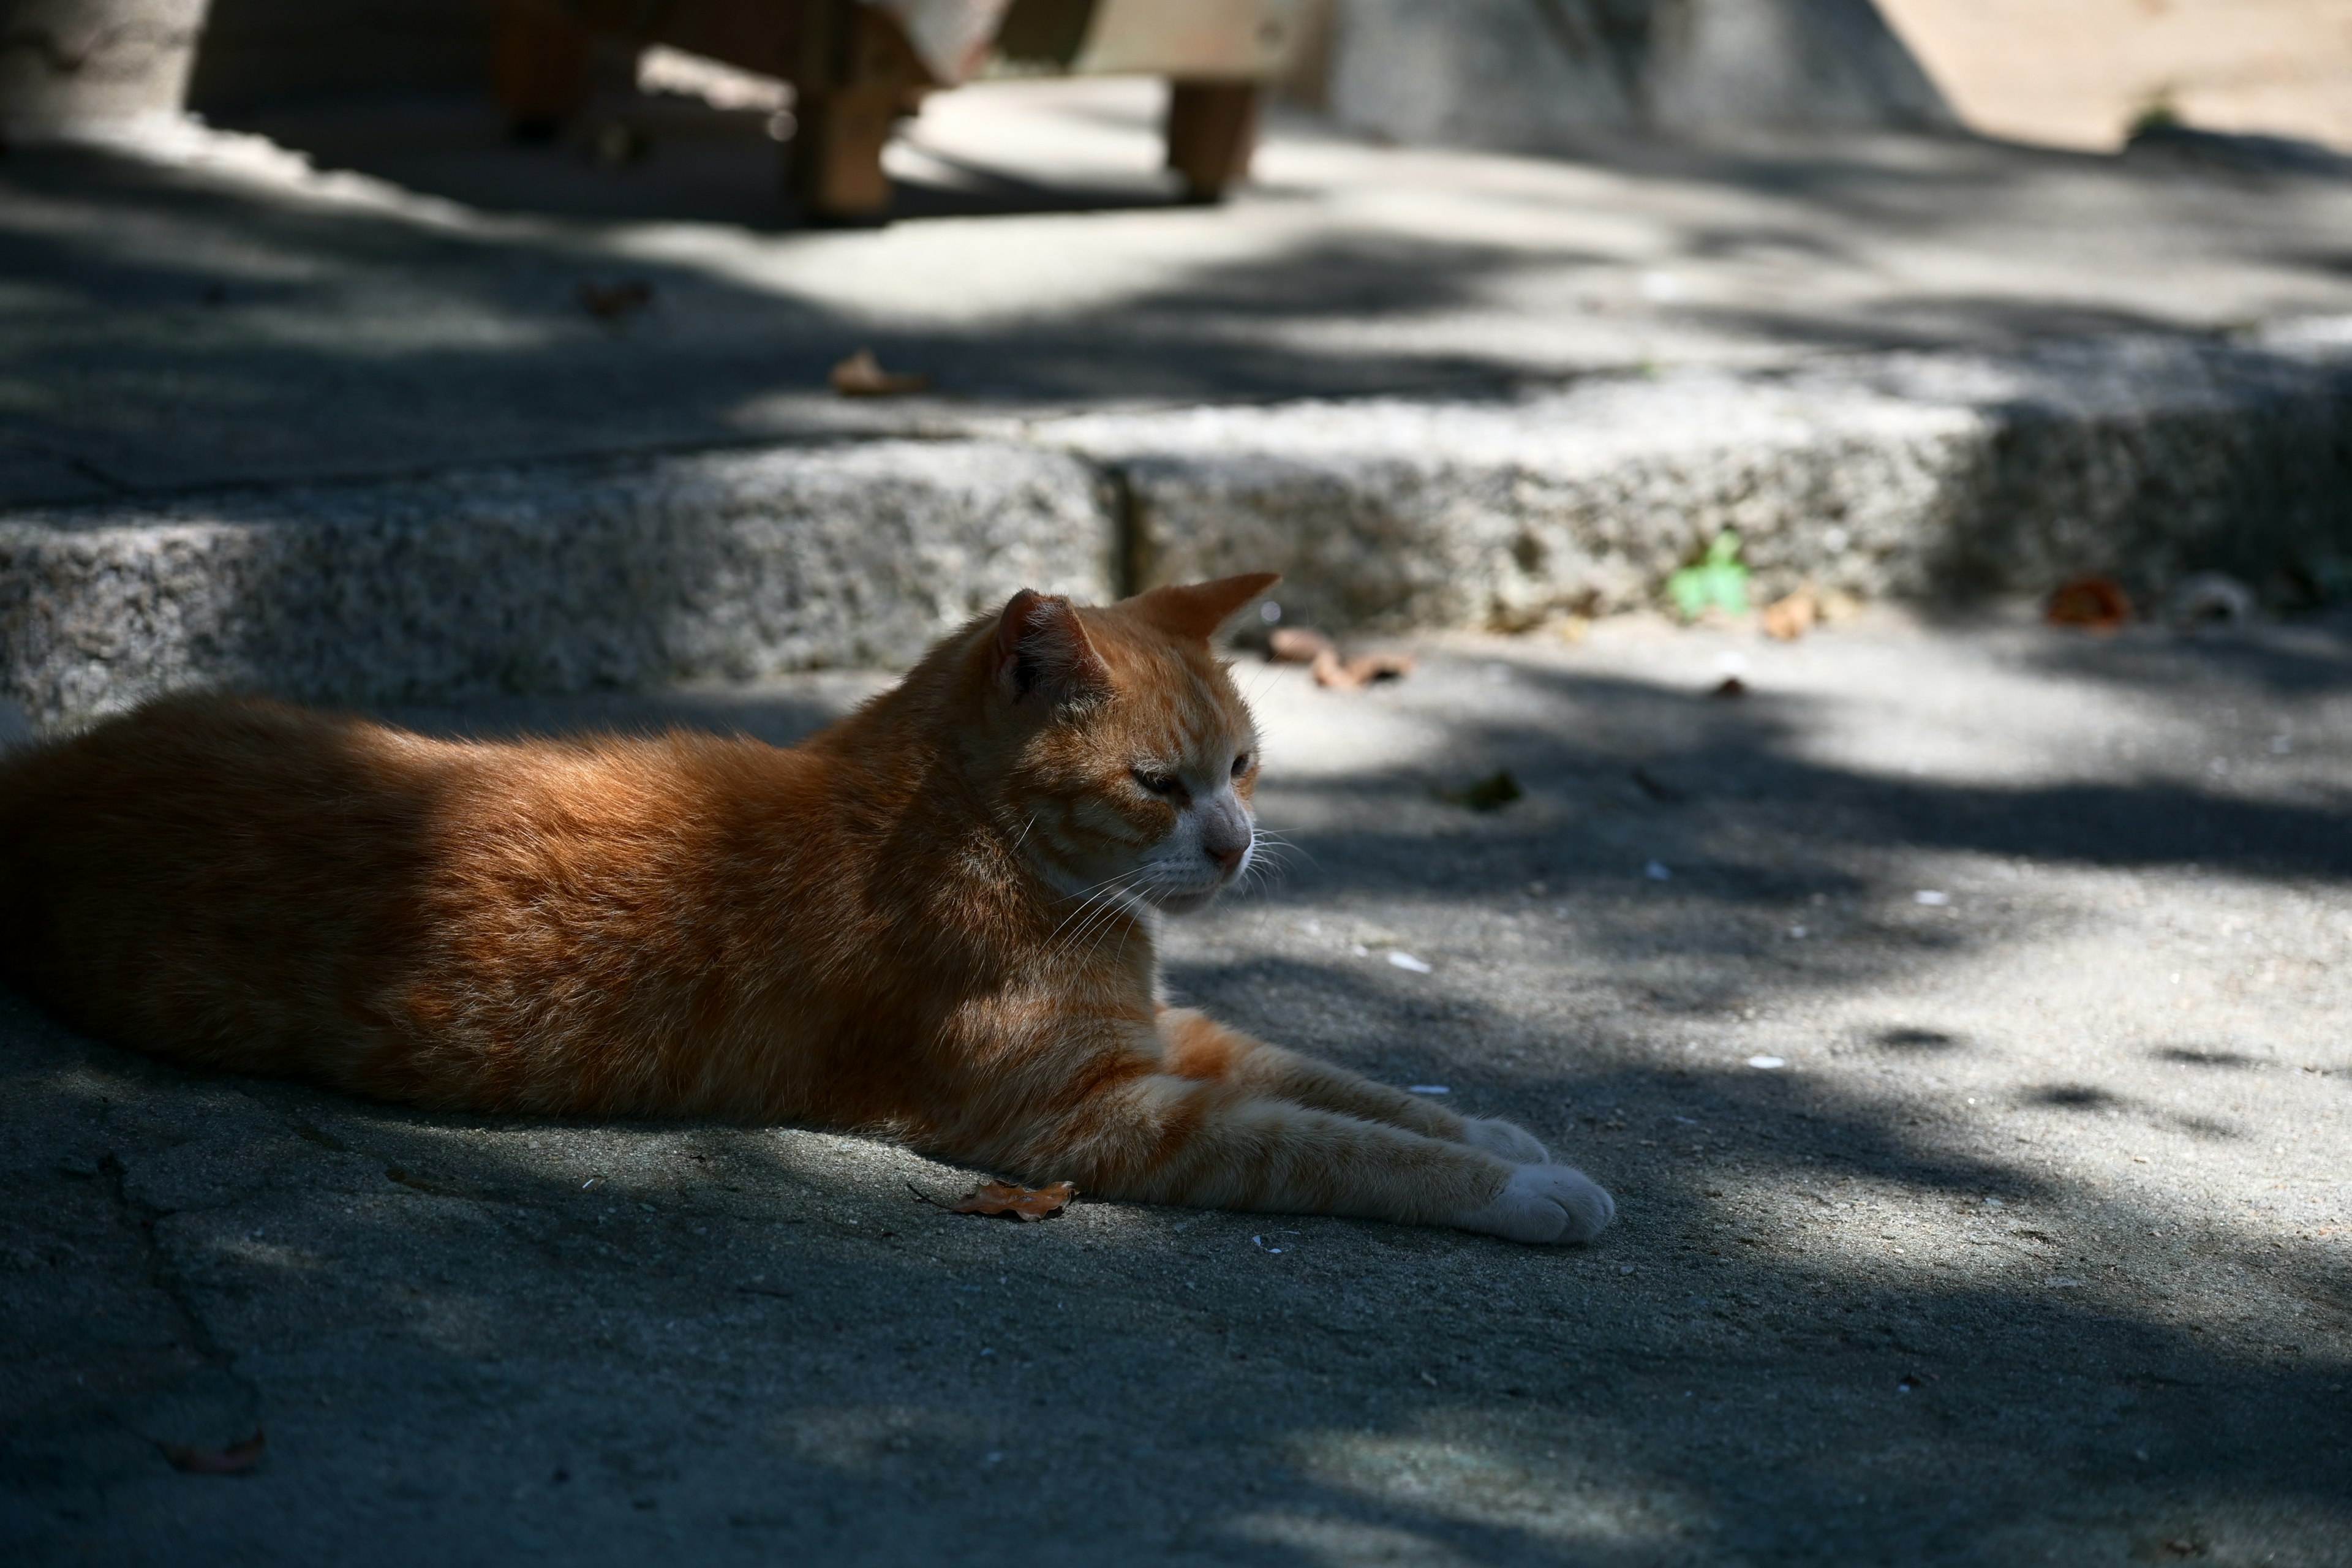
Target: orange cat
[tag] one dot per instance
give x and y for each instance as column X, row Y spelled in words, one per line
column 933, row 922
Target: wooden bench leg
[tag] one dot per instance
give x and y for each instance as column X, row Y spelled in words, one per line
column 835, row 165
column 1211, row 130
column 539, row 65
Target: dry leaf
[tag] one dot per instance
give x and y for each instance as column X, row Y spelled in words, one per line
column 1361, row 671
column 2094, row 604
column 233, row 1460
column 1789, row 618
column 1021, row 1202
column 608, row 304
column 862, row 375
column 1297, row 644
column 1837, row 608
column 1490, row 793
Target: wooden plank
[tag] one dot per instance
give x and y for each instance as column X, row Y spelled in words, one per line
column 1212, row 131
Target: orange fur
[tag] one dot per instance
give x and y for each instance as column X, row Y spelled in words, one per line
column 932, row 921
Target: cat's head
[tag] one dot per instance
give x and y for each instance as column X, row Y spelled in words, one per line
column 1121, row 750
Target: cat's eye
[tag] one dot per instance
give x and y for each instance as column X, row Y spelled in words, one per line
column 1241, row 764
column 1158, row 784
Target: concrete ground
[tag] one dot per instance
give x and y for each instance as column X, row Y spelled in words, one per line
column 1957, row 1017
column 2280, row 67
column 213, row 311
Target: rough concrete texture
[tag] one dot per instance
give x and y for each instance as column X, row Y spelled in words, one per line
column 69, row 67
column 1550, row 76
column 1499, row 385
column 560, row 578
column 1907, row 475
column 2035, row 1247
column 219, row 313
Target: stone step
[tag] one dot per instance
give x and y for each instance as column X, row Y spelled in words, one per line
column 1910, row 475
column 1906, row 474
column 545, row 578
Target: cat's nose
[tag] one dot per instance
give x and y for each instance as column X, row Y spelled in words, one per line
column 1227, row 859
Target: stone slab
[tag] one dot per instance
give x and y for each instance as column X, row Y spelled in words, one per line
column 553, row 578
column 2033, row 1250
column 1916, row 476
column 1911, row 475
column 375, row 294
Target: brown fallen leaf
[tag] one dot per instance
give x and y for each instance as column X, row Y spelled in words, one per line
column 2094, row 603
column 1787, row 619
column 1837, row 608
column 1351, row 674
column 233, row 1460
column 1021, row 1202
column 862, row 375
column 1297, row 644
column 1492, row 793
column 611, row 302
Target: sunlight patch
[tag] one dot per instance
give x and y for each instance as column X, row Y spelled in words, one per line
column 1550, row 1492
column 1323, row 1538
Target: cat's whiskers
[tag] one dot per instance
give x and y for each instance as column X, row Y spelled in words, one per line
column 1139, row 910
column 1087, row 898
column 1269, row 840
column 1265, row 863
column 1103, row 906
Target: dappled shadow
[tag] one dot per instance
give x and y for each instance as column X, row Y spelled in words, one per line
column 677, row 161
column 438, row 321
column 333, row 340
column 2182, row 1054
column 2309, row 657
column 761, row 1342
column 2074, row 1097
column 846, row 1369
column 1911, row 1039
column 1750, row 758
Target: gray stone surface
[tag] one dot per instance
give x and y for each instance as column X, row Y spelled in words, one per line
column 1438, row 387
column 1915, row 476
column 2036, row 1248
column 1548, row 76
column 217, row 312
column 1907, row 475
column 731, row 565
column 70, row 66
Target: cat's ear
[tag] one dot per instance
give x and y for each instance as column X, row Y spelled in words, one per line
column 1041, row 652
column 1198, row 610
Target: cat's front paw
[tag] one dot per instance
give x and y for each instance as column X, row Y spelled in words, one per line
column 1506, row 1139
column 1543, row 1203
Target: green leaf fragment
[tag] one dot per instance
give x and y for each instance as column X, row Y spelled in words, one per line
column 1719, row 581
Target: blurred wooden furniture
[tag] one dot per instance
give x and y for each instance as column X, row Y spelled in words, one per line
column 856, row 67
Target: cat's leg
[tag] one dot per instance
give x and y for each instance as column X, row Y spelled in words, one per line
column 1196, row 1046
column 1154, row 1137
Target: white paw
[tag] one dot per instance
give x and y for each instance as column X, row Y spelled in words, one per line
column 1543, row 1203
column 1512, row 1141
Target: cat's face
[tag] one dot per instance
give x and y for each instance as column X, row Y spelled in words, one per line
column 1135, row 772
